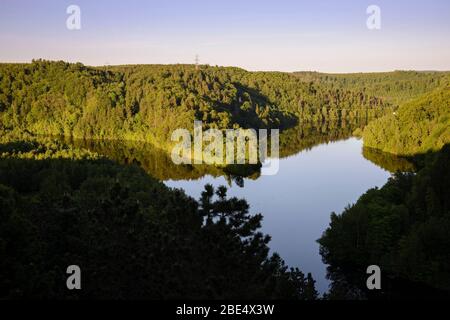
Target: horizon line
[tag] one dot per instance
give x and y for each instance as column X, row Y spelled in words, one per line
column 225, row 66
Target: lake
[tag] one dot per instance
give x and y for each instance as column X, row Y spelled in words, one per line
column 322, row 170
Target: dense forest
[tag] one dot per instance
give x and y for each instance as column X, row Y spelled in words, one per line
column 395, row 87
column 146, row 103
column 134, row 237
column 404, row 228
column 419, row 126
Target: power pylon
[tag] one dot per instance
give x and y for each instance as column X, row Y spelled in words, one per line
column 197, row 60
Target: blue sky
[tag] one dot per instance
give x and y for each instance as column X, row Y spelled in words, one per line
column 285, row 35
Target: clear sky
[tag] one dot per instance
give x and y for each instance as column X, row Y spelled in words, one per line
column 285, row 35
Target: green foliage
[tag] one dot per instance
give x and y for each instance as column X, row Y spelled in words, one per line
column 419, row 126
column 133, row 237
column 147, row 103
column 314, row 102
column 402, row 227
column 395, row 87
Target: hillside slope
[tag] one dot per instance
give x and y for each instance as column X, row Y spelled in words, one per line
column 148, row 102
column 419, row 126
column 396, row 87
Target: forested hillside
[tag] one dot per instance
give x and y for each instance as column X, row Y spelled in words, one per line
column 419, row 126
column 395, row 87
column 146, row 103
column 402, row 227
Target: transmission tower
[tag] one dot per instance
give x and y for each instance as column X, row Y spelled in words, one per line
column 197, row 60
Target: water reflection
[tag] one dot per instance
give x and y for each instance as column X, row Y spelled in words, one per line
column 388, row 162
column 158, row 163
